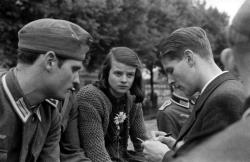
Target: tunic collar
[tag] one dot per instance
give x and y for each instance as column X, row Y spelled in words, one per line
column 181, row 101
column 18, row 101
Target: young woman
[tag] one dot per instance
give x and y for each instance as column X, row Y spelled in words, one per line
column 111, row 110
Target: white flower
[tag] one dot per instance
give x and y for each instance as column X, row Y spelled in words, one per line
column 120, row 117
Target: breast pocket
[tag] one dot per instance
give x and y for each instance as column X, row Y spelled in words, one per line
column 3, row 148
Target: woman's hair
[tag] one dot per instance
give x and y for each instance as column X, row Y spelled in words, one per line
column 128, row 57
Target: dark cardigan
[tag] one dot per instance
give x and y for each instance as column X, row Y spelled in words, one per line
column 94, row 117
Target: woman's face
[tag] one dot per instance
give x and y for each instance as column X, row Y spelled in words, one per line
column 121, row 78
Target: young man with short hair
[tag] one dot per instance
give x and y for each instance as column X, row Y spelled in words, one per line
column 232, row 144
column 188, row 59
column 49, row 58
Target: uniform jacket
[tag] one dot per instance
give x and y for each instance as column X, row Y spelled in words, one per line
column 26, row 134
column 94, row 110
column 217, row 107
column 173, row 114
column 70, row 149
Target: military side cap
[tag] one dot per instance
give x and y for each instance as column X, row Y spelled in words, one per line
column 242, row 19
column 65, row 38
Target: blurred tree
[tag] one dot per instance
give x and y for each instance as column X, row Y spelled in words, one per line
column 214, row 22
column 13, row 15
column 137, row 24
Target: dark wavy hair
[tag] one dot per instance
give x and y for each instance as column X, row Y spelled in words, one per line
column 128, row 57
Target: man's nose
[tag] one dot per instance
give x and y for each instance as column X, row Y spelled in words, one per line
column 76, row 78
column 170, row 79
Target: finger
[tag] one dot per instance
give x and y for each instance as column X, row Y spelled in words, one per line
column 163, row 139
column 152, row 133
column 147, row 157
column 144, row 144
column 155, row 134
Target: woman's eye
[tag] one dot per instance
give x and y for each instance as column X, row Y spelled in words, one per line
column 118, row 73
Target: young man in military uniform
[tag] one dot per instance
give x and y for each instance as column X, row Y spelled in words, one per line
column 173, row 114
column 50, row 55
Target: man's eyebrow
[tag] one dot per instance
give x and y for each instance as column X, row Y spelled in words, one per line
column 76, row 68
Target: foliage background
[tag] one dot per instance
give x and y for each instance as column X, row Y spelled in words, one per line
column 138, row 24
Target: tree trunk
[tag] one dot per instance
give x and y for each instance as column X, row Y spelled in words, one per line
column 153, row 96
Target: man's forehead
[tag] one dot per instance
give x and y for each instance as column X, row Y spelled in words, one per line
column 166, row 62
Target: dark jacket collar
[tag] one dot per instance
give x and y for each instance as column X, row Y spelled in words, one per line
column 211, row 87
column 246, row 108
column 246, row 104
column 203, row 97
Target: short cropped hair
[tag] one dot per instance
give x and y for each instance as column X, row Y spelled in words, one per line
column 193, row 38
column 128, row 57
column 30, row 56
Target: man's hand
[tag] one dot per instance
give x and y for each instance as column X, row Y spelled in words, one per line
column 156, row 134
column 160, row 136
column 154, row 150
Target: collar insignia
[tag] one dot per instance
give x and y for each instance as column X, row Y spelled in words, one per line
column 165, row 104
column 181, row 101
column 19, row 106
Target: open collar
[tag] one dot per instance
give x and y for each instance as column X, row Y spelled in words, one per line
column 201, row 100
column 206, row 85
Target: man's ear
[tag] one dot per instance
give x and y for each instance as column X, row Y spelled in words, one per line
column 50, row 60
column 231, row 60
column 189, row 57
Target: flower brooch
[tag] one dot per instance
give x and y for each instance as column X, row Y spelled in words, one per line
column 119, row 119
